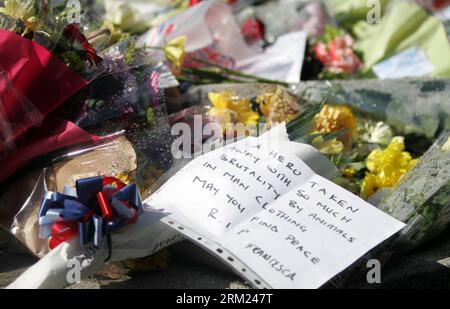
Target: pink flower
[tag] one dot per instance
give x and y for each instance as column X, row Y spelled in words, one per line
column 338, row 56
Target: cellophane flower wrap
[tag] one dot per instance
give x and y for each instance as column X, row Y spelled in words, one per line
column 130, row 96
column 93, row 98
column 43, row 62
column 127, row 99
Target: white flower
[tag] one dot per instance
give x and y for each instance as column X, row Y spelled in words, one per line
column 122, row 15
column 375, row 132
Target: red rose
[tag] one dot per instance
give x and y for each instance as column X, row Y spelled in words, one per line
column 72, row 33
column 253, row 30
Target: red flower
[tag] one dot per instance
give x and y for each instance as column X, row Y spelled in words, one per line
column 72, row 33
column 194, row 2
column 338, row 56
column 253, row 30
column 440, row 4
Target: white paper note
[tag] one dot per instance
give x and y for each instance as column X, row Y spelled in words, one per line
column 412, row 62
column 286, row 59
column 268, row 215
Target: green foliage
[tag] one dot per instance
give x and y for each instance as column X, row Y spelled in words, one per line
column 330, row 33
column 129, row 54
column 150, row 116
column 73, row 61
column 300, row 127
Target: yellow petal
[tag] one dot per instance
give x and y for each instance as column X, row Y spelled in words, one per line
column 328, row 147
column 248, row 118
column 349, row 172
column 369, row 186
column 179, row 42
column 175, row 50
column 220, row 99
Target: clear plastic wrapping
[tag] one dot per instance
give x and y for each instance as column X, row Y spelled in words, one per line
column 21, row 199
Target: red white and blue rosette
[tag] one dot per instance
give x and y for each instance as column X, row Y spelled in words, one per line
column 91, row 211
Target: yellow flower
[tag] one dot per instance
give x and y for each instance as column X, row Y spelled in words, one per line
column 278, row 106
column 175, row 50
column 386, row 167
column 115, row 32
column 349, row 172
column 23, row 11
column 336, row 118
column 229, row 109
column 369, row 186
column 327, row 147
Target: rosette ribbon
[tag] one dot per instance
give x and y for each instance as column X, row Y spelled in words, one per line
column 91, row 211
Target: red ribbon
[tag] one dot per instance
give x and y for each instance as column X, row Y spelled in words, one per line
column 61, row 232
column 104, row 197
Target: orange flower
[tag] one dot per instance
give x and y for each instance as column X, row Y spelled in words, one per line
column 336, row 118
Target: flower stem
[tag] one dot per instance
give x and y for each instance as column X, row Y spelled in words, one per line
column 241, row 74
column 210, row 75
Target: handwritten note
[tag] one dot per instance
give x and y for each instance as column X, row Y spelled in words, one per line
column 265, row 212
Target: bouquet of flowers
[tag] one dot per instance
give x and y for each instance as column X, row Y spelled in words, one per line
column 44, row 61
column 335, row 51
column 67, row 103
column 129, row 96
column 75, row 94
